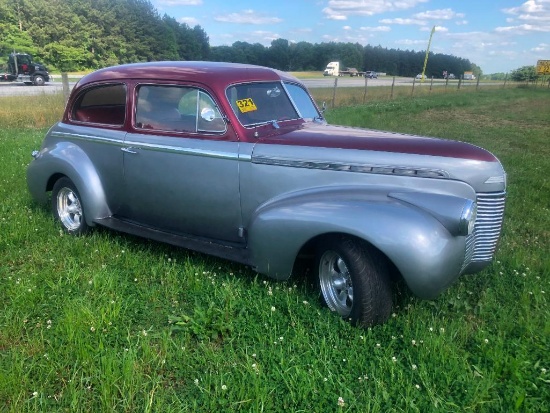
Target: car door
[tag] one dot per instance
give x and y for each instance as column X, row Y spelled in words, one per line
column 181, row 171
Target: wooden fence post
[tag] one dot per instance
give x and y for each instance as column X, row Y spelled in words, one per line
column 334, row 92
column 365, row 93
column 65, row 82
column 392, row 85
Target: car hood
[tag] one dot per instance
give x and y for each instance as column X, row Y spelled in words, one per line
column 326, row 147
column 341, row 137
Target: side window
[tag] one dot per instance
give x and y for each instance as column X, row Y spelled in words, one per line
column 209, row 117
column 101, row 105
column 177, row 109
column 302, row 101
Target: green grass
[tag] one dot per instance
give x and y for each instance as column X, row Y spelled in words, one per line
column 110, row 322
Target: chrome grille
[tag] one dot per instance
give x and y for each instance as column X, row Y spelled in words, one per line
column 490, row 213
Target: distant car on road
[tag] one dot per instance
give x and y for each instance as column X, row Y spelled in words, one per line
column 237, row 161
column 419, row 76
column 371, row 75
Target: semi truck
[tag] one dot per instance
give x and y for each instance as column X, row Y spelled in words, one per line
column 334, row 69
column 21, row 68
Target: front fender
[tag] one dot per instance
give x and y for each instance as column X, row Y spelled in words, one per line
column 428, row 256
column 65, row 158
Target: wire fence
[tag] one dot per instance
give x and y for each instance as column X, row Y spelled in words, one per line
column 345, row 92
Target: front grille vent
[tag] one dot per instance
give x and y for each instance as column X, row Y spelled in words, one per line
column 490, row 213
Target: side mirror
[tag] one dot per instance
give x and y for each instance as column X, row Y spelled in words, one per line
column 208, row 114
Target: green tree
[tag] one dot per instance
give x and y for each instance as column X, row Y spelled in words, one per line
column 524, row 73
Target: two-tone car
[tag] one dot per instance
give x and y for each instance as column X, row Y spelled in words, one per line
column 237, row 161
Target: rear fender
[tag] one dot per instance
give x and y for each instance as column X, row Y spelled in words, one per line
column 67, row 159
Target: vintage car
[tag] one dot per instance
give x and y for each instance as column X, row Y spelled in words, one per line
column 238, row 162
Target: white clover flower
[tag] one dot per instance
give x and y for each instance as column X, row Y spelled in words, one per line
column 341, row 402
column 394, row 359
column 414, row 366
column 486, row 341
column 224, row 387
column 272, row 308
column 196, row 382
column 34, row 394
column 417, row 386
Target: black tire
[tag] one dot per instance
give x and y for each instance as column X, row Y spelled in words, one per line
column 39, row 80
column 67, row 207
column 354, row 281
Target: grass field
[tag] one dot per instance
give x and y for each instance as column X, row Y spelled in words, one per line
column 113, row 323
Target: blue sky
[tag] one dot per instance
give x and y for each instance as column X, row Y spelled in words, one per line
column 497, row 35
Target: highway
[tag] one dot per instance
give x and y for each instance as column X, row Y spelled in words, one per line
column 19, row 89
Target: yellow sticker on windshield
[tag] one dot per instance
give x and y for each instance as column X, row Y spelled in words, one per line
column 246, row 105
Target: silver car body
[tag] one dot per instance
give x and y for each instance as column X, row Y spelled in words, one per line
column 263, row 194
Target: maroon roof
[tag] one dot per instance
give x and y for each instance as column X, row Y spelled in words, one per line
column 202, row 72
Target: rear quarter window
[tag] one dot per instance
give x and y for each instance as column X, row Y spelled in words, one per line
column 104, row 104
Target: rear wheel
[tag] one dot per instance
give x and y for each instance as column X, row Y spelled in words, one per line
column 354, row 281
column 67, row 207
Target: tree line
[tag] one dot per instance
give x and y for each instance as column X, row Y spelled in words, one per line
column 73, row 35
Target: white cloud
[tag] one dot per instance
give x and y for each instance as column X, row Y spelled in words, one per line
column 441, row 14
column 402, row 21
column 191, row 21
column 410, row 42
column 171, row 3
column 534, row 16
column 248, row 17
column 441, row 29
column 530, row 6
column 341, row 9
column 523, row 29
column 542, row 47
column 376, row 29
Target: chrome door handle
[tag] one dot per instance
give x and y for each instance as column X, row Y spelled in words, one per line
column 128, row 150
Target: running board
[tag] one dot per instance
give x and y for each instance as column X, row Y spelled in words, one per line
column 228, row 252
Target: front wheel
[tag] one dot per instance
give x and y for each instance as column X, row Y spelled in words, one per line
column 67, row 207
column 354, row 281
column 39, row 80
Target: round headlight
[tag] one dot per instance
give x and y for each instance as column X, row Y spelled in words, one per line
column 468, row 218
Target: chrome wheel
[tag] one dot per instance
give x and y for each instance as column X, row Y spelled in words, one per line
column 69, row 209
column 336, row 284
column 39, row 80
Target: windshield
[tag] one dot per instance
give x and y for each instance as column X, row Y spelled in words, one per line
column 263, row 102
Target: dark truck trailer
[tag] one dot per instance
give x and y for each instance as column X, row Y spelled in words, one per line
column 22, row 69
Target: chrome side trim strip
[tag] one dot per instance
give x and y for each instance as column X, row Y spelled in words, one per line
column 183, row 151
column 89, row 138
column 362, row 168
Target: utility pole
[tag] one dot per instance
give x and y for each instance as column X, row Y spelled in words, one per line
column 427, row 53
